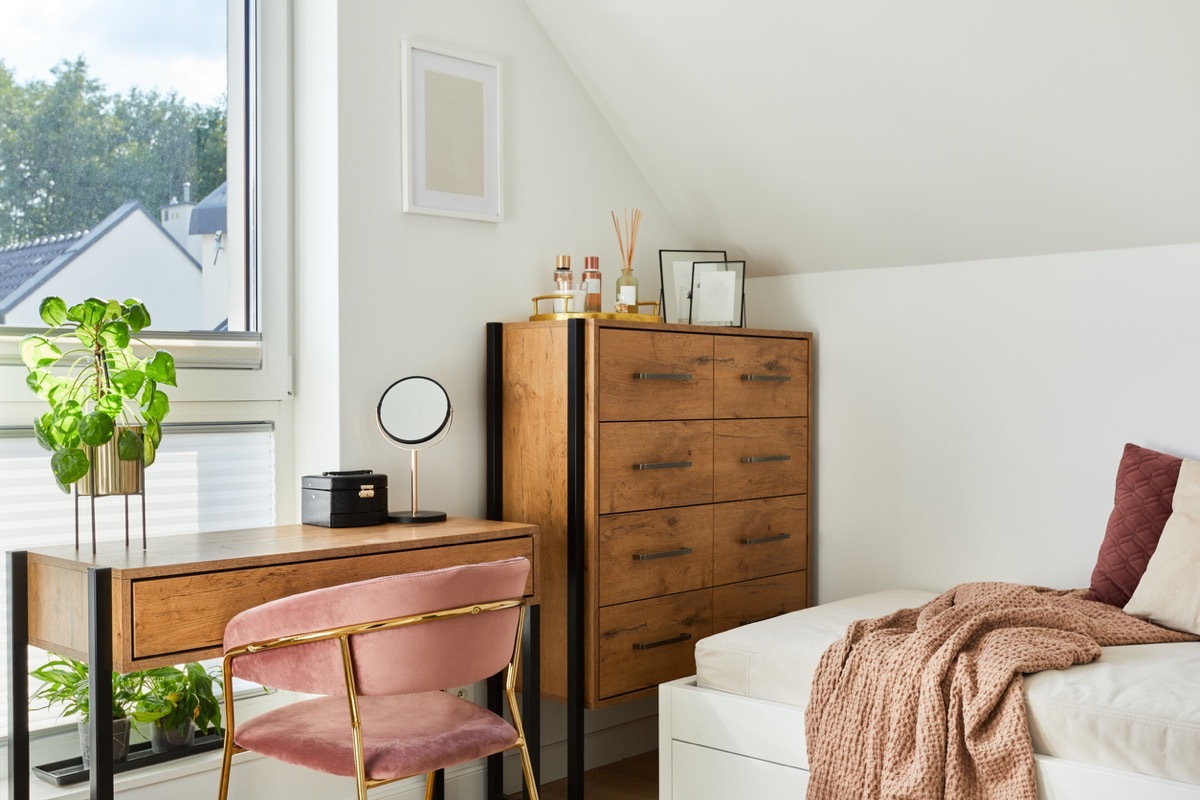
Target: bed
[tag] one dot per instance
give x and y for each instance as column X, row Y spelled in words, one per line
column 1126, row 725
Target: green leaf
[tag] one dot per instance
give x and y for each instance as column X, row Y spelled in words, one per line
column 136, row 315
column 115, row 334
column 96, row 428
column 129, row 445
column 158, row 406
column 90, row 313
column 69, row 465
column 111, row 404
column 161, row 367
column 42, row 383
column 128, row 381
column 153, row 431
column 148, row 389
column 38, row 351
column 43, row 430
column 149, row 452
column 53, row 311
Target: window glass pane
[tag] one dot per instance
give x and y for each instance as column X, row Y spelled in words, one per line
column 206, row 477
column 113, row 160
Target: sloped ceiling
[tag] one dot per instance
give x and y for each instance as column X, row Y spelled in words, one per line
column 813, row 135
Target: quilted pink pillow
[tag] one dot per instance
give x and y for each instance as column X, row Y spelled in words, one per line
column 1145, row 487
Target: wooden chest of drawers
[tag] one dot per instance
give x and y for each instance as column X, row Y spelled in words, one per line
column 667, row 466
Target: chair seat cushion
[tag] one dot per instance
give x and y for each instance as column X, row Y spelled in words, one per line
column 402, row 736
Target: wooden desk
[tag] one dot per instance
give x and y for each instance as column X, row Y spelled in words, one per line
column 168, row 604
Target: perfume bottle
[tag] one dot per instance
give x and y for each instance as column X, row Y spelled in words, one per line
column 563, row 280
column 627, row 292
column 591, row 283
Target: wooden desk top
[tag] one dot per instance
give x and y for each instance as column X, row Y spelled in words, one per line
column 280, row 544
column 171, row 601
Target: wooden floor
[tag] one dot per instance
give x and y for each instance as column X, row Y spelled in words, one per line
column 632, row 779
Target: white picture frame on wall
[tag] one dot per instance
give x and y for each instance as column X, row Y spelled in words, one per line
column 451, row 131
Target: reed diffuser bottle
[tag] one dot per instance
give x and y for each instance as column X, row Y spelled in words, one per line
column 627, row 285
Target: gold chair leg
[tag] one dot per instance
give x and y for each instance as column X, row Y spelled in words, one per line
column 429, row 781
column 527, row 768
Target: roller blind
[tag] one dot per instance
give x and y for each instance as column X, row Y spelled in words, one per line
column 206, row 477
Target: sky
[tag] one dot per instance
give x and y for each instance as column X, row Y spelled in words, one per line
column 150, row 44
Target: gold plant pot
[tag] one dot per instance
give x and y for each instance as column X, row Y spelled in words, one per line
column 109, row 474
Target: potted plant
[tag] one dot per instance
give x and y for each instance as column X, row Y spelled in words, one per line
column 102, row 392
column 176, row 701
column 65, row 683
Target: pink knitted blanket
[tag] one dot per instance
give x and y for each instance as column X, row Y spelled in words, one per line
column 927, row 703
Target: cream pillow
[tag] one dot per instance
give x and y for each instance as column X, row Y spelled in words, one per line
column 1169, row 592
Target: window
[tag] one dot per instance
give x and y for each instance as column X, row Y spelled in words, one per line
column 206, row 477
column 227, row 377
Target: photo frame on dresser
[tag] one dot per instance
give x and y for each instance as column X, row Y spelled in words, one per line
column 451, row 133
column 718, row 294
column 675, row 274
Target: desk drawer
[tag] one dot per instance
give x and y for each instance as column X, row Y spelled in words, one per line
column 647, row 465
column 759, row 458
column 647, row 375
column 651, row 553
column 645, row 643
column 180, row 613
column 756, row 538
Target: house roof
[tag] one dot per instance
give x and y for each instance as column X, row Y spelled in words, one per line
column 209, row 214
column 27, row 265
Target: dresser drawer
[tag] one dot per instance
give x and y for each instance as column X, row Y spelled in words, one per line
column 756, row 538
column 759, row 458
column 742, row 603
column 647, row 375
column 760, row 377
column 645, row 465
column 651, row 553
column 645, row 643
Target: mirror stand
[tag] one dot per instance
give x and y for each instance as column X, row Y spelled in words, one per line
column 414, row 516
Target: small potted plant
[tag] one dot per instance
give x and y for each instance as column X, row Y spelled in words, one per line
column 101, row 394
column 176, row 701
column 65, row 683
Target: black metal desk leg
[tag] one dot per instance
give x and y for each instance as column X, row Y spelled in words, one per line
column 531, row 689
column 100, row 661
column 18, row 680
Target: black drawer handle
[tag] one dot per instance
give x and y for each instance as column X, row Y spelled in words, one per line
column 683, row 637
column 683, row 551
column 760, row 619
column 664, row 465
column 779, row 537
column 760, row 459
column 766, row 377
column 662, row 376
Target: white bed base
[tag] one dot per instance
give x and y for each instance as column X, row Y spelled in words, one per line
column 714, row 745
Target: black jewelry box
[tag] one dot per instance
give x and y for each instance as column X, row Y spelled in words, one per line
column 344, row 499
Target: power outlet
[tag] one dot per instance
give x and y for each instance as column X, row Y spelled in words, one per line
column 465, row 692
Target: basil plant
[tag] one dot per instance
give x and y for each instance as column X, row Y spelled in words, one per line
column 86, row 369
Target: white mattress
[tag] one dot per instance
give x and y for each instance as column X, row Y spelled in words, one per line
column 1135, row 708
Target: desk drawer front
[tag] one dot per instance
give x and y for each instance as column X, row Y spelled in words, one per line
column 645, row 643
column 175, row 614
column 651, row 553
column 756, row 538
column 756, row 377
column 759, row 458
column 647, row 465
column 646, row 375
column 750, row 601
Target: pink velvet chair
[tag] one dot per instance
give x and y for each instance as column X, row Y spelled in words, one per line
column 379, row 652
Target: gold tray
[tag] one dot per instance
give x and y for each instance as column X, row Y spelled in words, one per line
column 560, row 315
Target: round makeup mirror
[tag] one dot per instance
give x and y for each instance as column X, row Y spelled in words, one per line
column 415, row 413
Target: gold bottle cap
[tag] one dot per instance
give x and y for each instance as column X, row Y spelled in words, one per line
column 562, row 262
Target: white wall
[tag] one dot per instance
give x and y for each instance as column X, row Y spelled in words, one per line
column 381, row 294
column 970, row 417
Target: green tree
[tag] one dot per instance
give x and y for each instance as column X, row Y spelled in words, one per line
column 70, row 153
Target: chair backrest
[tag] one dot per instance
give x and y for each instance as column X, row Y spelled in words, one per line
column 415, row 658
